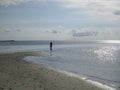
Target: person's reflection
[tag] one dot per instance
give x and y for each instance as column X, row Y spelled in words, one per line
column 51, row 53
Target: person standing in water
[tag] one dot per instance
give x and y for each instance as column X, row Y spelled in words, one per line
column 51, row 46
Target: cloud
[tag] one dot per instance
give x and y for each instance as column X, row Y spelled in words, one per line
column 12, row 2
column 80, row 34
column 109, row 8
column 117, row 12
column 18, row 2
column 100, row 7
column 96, row 33
column 6, row 30
column 83, row 33
column 18, row 30
column 53, row 31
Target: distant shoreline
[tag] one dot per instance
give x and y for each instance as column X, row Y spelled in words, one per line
column 7, row 41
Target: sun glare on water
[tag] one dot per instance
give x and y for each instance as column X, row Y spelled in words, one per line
column 106, row 53
column 109, row 41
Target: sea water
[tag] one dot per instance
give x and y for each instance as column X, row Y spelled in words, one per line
column 95, row 61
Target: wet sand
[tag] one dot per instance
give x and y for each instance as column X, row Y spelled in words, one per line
column 17, row 74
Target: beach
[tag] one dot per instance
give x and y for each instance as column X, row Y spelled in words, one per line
column 17, row 74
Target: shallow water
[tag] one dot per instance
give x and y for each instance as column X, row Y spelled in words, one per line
column 96, row 61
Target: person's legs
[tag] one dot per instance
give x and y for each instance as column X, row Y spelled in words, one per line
column 51, row 48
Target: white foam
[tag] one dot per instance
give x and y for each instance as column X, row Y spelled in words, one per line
column 100, row 85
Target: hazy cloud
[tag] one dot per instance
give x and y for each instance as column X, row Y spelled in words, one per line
column 100, row 7
column 12, row 2
column 17, row 2
column 117, row 12
column 6, row 30
column 53, row 31
column 83, row 33
column 80, row 34
column 109, row 8
column 18, row 30
column 97, row 33
column 11, row 30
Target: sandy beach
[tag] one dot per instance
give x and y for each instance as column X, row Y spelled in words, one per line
column 17, row 74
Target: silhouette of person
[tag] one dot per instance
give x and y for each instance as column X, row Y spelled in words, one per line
column 51, row 46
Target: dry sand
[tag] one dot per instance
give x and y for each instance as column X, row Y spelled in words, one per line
column 16, row 74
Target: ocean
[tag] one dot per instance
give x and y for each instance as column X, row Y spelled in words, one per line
column 94, row 60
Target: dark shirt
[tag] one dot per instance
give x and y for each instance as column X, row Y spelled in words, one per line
column 50, row 44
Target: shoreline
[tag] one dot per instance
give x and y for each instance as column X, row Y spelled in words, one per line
column 18, row 74
column 85, row 79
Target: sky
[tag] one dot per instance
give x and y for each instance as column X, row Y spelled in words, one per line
column 59, row 19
